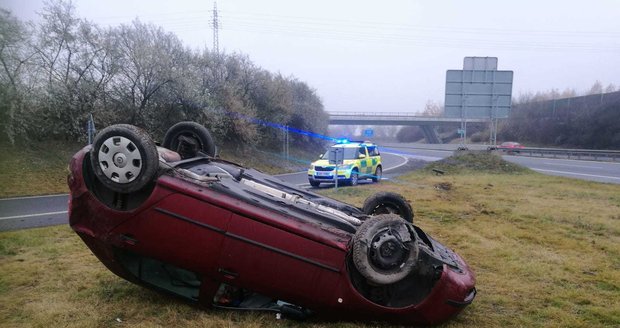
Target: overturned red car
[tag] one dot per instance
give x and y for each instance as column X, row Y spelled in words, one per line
column 182, row 221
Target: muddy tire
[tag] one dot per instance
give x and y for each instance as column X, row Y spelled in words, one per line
column 188, row 139
column 314, row 183
column 388, row 203
column 385, row 249
column 124, row 158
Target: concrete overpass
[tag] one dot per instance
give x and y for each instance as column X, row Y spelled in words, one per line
column 426, row 123
column 351, row 118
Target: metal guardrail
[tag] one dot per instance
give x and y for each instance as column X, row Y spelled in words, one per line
column 584, row 154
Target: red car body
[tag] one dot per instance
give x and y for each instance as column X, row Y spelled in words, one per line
column 190, row 238
column 510, row 146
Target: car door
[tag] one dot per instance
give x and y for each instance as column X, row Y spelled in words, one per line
column 363, row 162
column 179, row 230
column 373, row 152
column 267, row 259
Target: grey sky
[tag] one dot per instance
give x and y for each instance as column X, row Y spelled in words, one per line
column 390, row 56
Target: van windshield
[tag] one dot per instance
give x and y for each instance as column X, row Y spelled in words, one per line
column 349, row 153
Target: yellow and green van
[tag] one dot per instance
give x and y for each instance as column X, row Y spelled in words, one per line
column 362, row 160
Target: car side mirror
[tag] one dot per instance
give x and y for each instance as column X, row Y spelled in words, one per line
column 321, row 156
column 362, row 156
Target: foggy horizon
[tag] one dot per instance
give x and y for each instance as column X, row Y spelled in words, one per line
column 393, row 57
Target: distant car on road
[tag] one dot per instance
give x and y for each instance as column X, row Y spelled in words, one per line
column 510, row 147
column 362, row 160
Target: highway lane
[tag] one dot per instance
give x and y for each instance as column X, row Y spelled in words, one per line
column 40, row 211
column 606, row 172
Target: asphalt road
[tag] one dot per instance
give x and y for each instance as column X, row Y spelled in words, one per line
column 607, row 172
column 28, row 212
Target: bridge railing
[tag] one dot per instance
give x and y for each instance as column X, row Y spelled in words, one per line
column 395, row 114
column 396, row 117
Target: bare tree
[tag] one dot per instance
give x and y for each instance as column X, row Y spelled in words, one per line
column 54, row 75
column 596, row 88
column 15, row 55
column 432, row 109
column 149, row 60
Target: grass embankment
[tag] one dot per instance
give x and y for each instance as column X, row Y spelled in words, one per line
column 271, row 161
column 34, row 169
column 544, row 249
column 41, row 168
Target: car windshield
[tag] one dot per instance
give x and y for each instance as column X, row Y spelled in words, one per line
column 349, row 153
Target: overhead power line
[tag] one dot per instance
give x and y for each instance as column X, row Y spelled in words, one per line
column 394, row 33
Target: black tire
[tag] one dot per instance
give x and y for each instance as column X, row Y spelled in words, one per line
column 378, row 173
column 314, row 183
column 386, row 202
column 124, row 158
column 354, row 178
column 189, row 138
column 385, row 249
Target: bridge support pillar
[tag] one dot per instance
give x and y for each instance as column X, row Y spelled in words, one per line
column 430, row 134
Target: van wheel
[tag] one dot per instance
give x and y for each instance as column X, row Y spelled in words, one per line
column 354, row 178
column 378, row 174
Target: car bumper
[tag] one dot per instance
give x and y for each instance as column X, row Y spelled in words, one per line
column 328, row 175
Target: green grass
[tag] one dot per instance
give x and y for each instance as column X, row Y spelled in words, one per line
column 544, row 249
column 34, row 169
column 41, row 168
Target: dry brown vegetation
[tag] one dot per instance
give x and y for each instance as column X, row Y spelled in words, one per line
column 544, row 249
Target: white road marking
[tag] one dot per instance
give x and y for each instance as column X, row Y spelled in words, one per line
column 29, row 197
column 566, row 160
column 399, row 165
column 32, row 215
column 571, row 165
column 285, row 174
column 580, row 174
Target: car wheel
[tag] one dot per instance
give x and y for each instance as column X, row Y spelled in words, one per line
column 124, row 158
column 314, row 183
column 384, row 249
column 189, row 138
column 378, row 174
column 354, row 178
column 388, row 203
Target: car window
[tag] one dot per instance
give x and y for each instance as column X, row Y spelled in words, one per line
column 373, row 151
column 362, row 151
column 349, row 153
